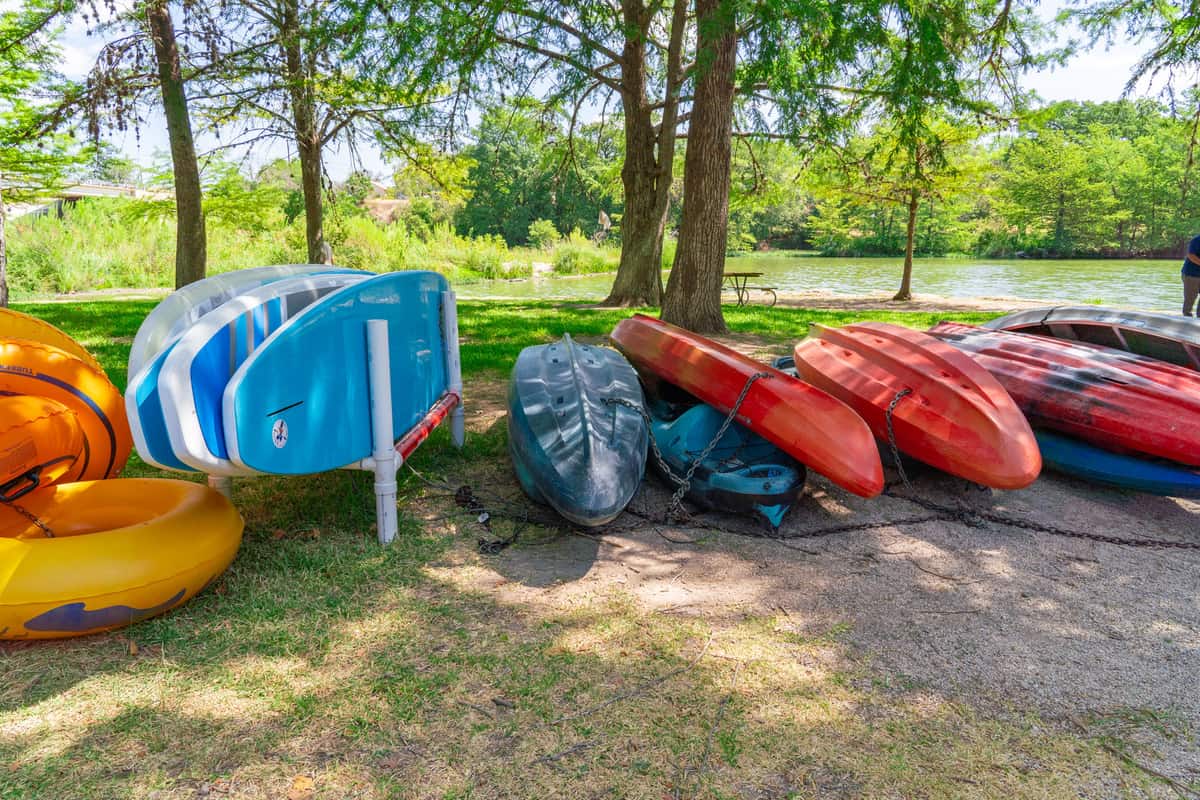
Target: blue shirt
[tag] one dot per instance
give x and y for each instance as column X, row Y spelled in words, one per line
column 1190, row 269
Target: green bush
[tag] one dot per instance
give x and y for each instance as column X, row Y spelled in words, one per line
column 579, row 256
column 542, row 234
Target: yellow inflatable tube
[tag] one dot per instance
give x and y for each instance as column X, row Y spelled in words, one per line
column 103, row 554
column 15, row 325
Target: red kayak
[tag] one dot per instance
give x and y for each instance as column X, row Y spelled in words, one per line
column 1112, row 399
column 957, row 417
column 803, row 421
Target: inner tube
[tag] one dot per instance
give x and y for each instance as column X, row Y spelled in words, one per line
column 41, row 370
column 41, row 443
column 79, row 558
column 15, row 325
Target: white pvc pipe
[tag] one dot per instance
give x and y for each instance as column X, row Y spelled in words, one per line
column 384, row 456
column 222, row 484
column 453, row 364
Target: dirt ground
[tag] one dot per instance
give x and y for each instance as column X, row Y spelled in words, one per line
column 1093, row 637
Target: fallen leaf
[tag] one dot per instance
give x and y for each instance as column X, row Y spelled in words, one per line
column 302, row 788
column 14, row 766
column 133, row 648
column 278, row 533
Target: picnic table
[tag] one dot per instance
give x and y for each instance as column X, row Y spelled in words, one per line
column 739, row 282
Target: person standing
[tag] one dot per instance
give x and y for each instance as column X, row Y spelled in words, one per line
column 1191, row 276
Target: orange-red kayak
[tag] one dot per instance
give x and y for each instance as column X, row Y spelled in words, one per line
column 1114, row 400
column 803, row 421
column 957, row 416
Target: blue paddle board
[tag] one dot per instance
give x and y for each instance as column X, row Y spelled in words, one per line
column 200, row 364
column 147, row 422
column 301, row 402
column 182, row 308
column 1087, row 462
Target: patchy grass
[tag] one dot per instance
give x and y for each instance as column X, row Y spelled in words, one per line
column 322, row 665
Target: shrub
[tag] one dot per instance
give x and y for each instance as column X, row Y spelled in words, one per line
column 542, row 234
column 578, row 256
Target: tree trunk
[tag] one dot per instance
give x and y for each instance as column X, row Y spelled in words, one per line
column 905, row 292
column 3, row 254
column 693, row 298
column 308, row 138
column 190, row 242
column 649, row 159
column 639, row 275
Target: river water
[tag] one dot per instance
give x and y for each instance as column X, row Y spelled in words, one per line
column 1148, row 284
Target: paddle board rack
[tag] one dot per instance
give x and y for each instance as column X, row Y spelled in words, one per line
column 388, row 452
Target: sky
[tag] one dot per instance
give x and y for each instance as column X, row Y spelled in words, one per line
column 1098, row 74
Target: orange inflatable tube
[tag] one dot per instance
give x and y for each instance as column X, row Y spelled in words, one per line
column 41, row 370
column 40, row 443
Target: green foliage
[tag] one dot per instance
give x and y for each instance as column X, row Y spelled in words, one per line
column 768, row 205
column 520, row 173
column 542, row 234
column 862, row 191
column 233, row 201
column 1098, row 179
column 98, row 244
column 576, row 255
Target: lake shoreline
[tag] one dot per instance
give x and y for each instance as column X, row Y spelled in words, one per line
column 919, row 302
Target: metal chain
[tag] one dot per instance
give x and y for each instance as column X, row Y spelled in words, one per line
column 675, row 507
column 31, row 517
column 973, row 518
column 941, row 512
column 900, row 395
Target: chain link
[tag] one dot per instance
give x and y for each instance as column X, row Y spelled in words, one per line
column 891, row 409
column 975, row 518
column 29, row 516
column 684, row 484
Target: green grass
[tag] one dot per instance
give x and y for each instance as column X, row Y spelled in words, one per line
column 397, row 672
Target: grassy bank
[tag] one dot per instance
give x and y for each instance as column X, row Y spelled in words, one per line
column 321, row 665
column 102, row 244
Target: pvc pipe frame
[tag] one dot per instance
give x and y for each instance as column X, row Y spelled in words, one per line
column 387, row 454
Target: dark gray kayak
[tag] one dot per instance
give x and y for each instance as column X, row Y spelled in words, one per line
column 571, row 449
column 1166, row 337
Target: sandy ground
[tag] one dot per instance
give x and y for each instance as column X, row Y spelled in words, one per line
column 1005, row 619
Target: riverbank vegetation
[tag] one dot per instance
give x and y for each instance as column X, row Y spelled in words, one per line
column 1079, row 179
column 851, row 128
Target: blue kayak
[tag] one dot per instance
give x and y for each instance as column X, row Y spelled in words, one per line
column 572, row 448
column 743, row 473
column 1088, row 462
